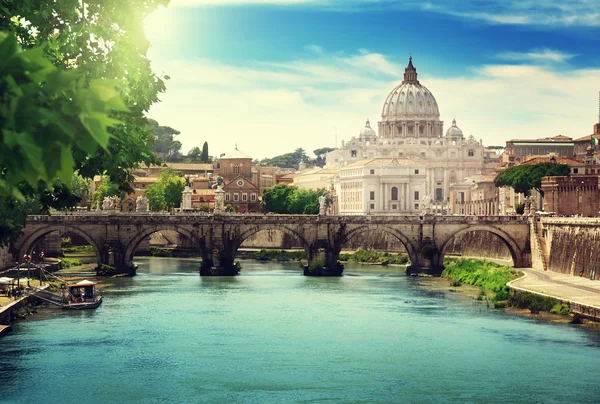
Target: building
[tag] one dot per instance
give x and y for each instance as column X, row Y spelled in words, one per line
column 572, row 196
column 240, row 192
column 518, row 150
column 475, row 195
column 315, row 178
column 581, row 144
column 382, row 185
column 411, row 135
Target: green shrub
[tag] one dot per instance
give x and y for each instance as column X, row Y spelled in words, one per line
column 315, row 265
column 65, row 242
column 78, row 248
column 70, row 262
column 375, row 257
column 561, row 308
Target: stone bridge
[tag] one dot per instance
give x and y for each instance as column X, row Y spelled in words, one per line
column 116, row 237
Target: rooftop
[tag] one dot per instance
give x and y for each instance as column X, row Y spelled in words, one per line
column 555, row 139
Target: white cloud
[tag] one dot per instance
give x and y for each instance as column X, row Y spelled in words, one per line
column 537, row 55
column 197, row 3
column 269, row 108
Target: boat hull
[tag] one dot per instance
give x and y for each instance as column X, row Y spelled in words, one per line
column 83, row 306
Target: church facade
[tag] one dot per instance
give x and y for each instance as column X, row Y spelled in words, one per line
column 411, row 163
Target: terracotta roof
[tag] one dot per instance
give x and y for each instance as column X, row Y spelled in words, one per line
column 587, row 138
column 146, row 179
column 187, row 166
column 555, row 139
column 546, row 159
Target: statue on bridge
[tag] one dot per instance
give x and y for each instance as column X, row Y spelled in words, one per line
column 322, row 205
column 111, row 203
column 219, row 196
column 141, row 204
column 426, row 205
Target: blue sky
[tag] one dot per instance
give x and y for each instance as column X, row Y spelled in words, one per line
column 273, row 75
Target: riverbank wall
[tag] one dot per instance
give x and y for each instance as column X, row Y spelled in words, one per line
column 568, row 246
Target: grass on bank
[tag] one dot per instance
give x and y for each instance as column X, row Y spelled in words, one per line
column 492, row 279
column 375, row 257
column 70, row 262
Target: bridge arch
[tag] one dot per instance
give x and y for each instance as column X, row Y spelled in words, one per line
column 135, row 241
column 250, row 231
column 408, row 244
column 28, row 243
column 515, row 251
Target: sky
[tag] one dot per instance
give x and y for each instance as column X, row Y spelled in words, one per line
column 271, row 76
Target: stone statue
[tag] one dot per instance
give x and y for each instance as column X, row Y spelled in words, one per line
column 219, row 196
column 322, row 202
column 187, row 181
column 426, row 205
column 141, row 204
column 98, row 206
column 111, row 203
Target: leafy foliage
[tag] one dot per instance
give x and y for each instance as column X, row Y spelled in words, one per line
column 95, row 40
column 165, row 145
column 166, row 194
column 525, row 177
column 286, row 199
column 321, row 153
column 48, row 116
column 13, row 213
column 106, row 188
column 491, row 277
column 375, row 257
column 288, row 160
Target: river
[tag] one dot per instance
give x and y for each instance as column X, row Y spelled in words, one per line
column 272, row 335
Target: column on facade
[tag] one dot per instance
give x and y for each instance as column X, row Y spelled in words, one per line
column 417, row 129
column 404, row 129
column 380, row 202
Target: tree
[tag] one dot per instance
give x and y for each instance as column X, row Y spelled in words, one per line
column 194, row 154
column 321, row 153
column 165, row 145
column 274, row 199
column 95, row 39
column 47, row 116
column 525, row 177
column 167, row 192
column 285, row 199
column 205, row 152
column 303, row 202
column 107, row 188
column 288, row 160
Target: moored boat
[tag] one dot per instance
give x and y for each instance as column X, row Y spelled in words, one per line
column 82, row 295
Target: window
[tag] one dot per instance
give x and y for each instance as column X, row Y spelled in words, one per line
column 439, row 194
column 372, row 172
column 394, row 194
column 372, row 206
column 416, row 171
column 394, row 206
column 471, row 152
column 453, row 155
column 416, row 195
column 353, row 153
column 236, row 197
column 244, row 197
column 227, row 196
column 416, row 206
column 253, row 197
column 372, row 195
column 236, row 169
column 576, row 171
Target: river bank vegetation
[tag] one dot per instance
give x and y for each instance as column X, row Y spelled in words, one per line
column 492, row 279
column 375, row 257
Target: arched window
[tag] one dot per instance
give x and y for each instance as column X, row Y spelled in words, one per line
column 394, row 194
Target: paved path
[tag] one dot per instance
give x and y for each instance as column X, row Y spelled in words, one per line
column 565, row 287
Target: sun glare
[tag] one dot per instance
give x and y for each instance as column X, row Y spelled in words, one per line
column 159, row 25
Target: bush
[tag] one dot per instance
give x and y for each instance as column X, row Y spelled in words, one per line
column 535, row 303
column 491, row 277
column 279, row 255
column 70, row 262
column 106, row 270
column 65, row 242
column 561, row 308
column 375, row 257
column 315, row 265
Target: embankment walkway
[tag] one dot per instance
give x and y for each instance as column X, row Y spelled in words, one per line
column 583, row 294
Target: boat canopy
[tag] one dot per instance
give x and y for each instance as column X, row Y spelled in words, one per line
column 82, row 284
column 6, row 281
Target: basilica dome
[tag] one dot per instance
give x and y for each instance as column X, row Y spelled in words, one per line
column 454, row 131
column 410, row 100
column 367, row 132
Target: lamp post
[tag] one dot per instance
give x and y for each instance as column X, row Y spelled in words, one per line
column 43, row 266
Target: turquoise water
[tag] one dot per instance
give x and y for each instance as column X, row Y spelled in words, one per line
column 272, row 335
